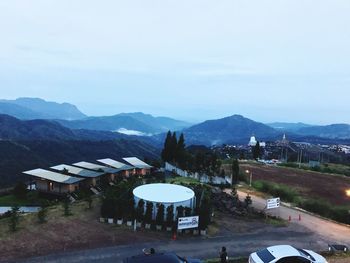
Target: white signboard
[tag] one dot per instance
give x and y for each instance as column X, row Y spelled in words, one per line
column 188, row 222
column 273, row 203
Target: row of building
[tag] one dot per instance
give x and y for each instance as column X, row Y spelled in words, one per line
column 62, row 179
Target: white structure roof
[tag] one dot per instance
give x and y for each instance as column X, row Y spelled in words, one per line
column 52, row 176
column 252, row 141
column 163, row 193
column 76, row 171
column 115, row 164
column 136, row 162
column 96, row 167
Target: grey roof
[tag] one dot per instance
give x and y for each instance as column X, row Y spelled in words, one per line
column 53, row 176
column 77, row 171
column 136, row 162
column 115, row 164
column 97, row 167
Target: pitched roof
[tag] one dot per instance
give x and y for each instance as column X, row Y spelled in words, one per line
column 96, row 167
column 136, row 162
column 76, row 171
column 53, row 176
column 118, row 165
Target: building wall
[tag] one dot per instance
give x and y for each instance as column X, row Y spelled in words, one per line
column 48, row 186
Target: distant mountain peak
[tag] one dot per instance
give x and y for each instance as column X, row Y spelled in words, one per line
column 37, row 108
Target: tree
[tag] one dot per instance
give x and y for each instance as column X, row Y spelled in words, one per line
column 170, row 215
column 166, row 155
column 235, row 171
column 256, row 151
column 173, row 147
column 140, row 210
column 181, row 152
column 107, row 208
column 42, row 215
column 14, row 218
column 20, row 190
column 160, row 214
column 180, row 211
column 89, row 200
column 149, row 213
column 188, row 211
column 66, row 207
column 204, row 212
column 248, row 201
column 234, row 195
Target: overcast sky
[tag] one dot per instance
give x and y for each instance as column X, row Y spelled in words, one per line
column 285, row 60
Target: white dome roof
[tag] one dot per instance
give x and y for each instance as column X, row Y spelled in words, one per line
column 163, row 193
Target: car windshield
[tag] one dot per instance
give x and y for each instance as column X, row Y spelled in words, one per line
column 305, row 254
column 265, row 255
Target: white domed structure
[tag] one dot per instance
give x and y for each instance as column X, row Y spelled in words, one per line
column 252, row 141
column 166, row 194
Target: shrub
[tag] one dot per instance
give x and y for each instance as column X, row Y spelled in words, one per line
column 66, row 207
column 42, row 215
column 14, row 218
column 107, row 208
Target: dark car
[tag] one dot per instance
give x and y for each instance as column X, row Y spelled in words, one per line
column 160, row 258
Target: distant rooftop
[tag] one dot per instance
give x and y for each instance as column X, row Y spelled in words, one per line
column 96, row 167
column 53, row 176
column 136, row 162
column 115, row 164
column 76, row 171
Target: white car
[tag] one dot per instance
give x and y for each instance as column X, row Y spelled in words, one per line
column 285, row 254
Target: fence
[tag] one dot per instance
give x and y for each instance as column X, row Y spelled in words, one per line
column 203, row 178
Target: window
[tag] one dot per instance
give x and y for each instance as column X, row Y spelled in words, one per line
column 265, row 255
column 295, row 259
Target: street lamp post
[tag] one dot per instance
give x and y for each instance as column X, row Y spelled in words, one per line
column 250, row 176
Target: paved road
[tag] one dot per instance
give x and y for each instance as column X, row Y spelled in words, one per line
column 329, row 230
column 199, row 247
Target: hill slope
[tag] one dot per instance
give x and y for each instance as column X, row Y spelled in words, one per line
column 18, row 156
column 127, row 123
column 38, row 108
column 233, row 129
column 334, row 131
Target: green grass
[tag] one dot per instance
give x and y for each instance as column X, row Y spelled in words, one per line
column 31, row 199
column 330, row 168
column 317, row 206
column 182, row 180
column 286, row 193
column 11, row 200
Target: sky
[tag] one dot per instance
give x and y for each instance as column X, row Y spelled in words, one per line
column 194, row 60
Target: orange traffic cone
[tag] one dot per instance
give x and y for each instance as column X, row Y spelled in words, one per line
column 174, row 236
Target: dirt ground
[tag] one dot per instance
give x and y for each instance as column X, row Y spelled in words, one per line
column 79, row 231
column 309, row 184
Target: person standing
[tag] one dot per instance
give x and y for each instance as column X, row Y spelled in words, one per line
column 223, row 255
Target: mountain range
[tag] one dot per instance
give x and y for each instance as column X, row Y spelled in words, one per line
column 35, row 108
column 136, row 123
column 77, row 125
column 34, row 139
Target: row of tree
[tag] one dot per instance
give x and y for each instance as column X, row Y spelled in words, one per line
column 174, row 149
column 195, row 159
